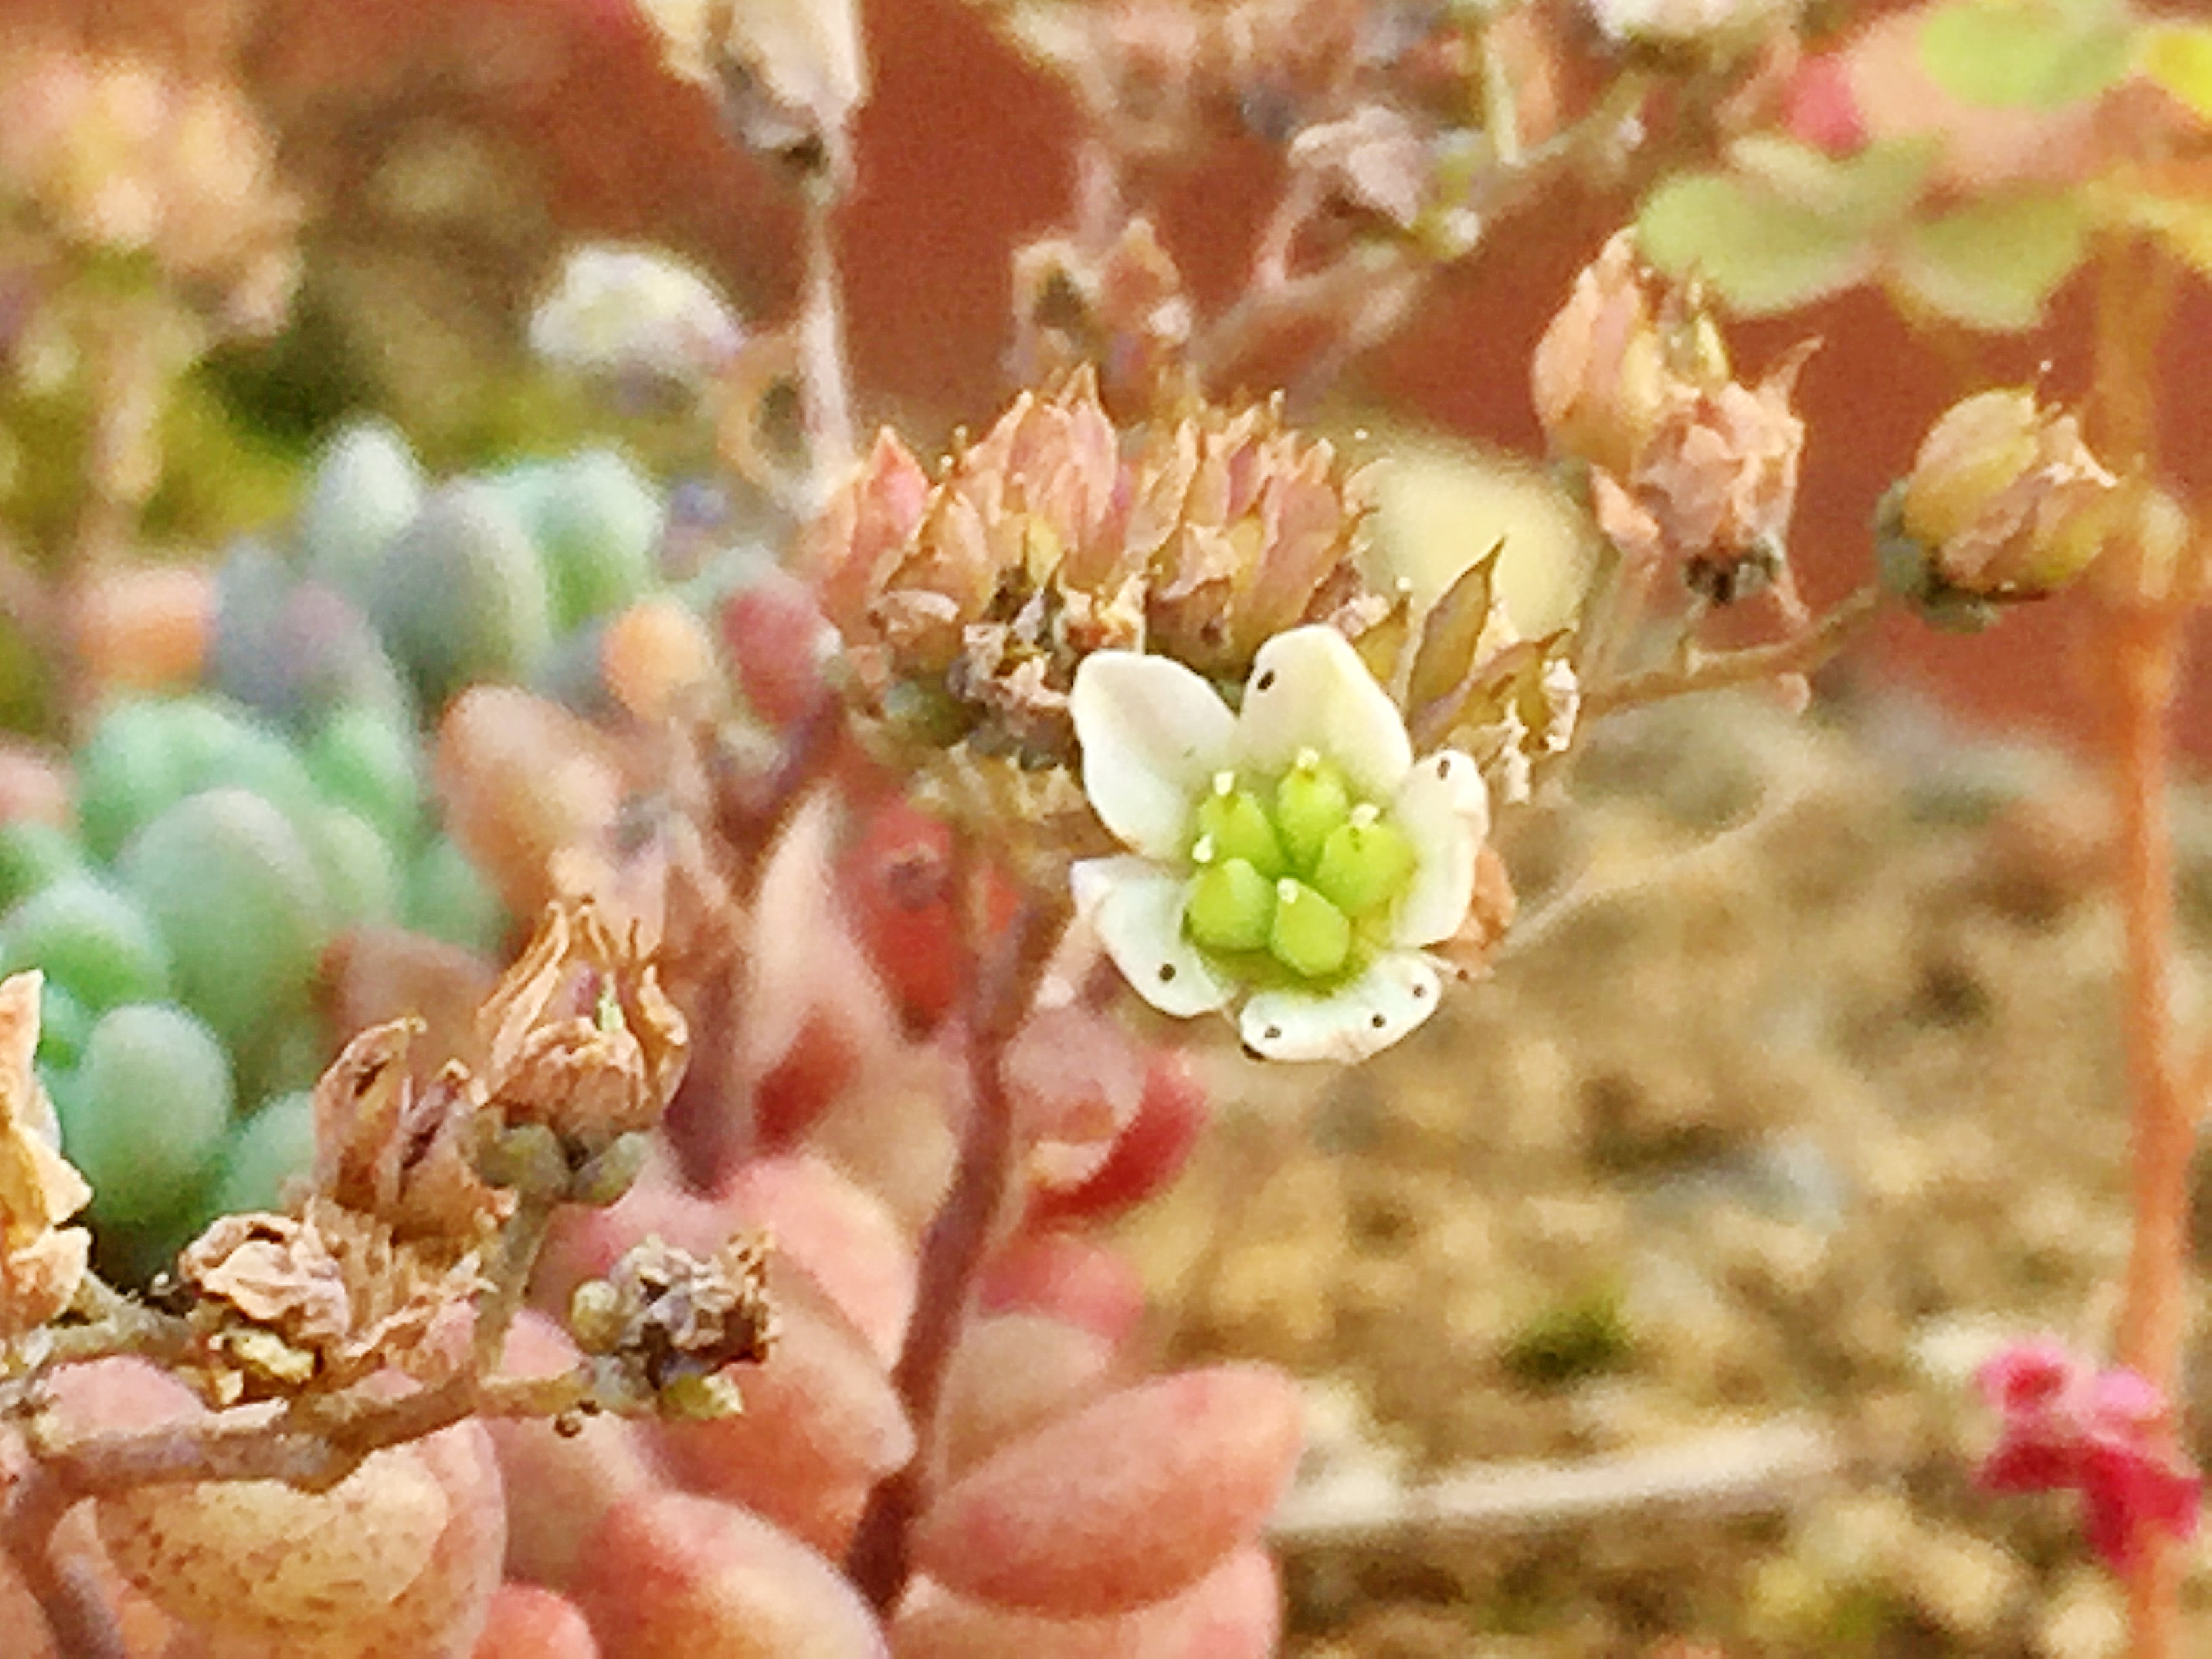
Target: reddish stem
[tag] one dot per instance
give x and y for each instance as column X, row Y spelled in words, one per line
column 959, row 1236
column 2145, row 645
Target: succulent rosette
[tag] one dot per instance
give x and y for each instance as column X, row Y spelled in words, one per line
column 1289, row 862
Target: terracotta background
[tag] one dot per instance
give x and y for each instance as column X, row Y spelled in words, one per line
column 964, row 152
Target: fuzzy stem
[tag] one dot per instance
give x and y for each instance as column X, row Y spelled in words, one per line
column 514, row 1256
column 959, row 1238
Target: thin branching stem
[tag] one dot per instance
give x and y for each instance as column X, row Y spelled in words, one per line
column 312, row 1445
column 1800, row 653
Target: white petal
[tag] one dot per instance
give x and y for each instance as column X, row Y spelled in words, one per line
column 1391, row 998
column 1153, row 735
column 1443, row 809
column 1136, row 908
column 1309, row 690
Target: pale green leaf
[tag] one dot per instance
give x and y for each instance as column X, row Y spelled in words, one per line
column 1867, row 190
column 2025, row 54
column 1757, row 251
column 1993, row 265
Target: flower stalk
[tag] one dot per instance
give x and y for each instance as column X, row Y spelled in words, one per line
column 957, row 1239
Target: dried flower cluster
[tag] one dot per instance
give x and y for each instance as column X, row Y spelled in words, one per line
column 670, row 1322
column 383, row 1263
column 967, row 604
column 284, row 1304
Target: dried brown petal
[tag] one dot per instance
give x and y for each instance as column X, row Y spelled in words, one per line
column 388, row 1147
column 1597, row 376
column 321, row 1300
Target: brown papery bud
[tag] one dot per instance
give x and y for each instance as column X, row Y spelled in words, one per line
column 2002, row 495
column 1598, row 378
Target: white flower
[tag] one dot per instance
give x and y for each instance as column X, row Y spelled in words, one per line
column 1288, row 861
column 625, row 311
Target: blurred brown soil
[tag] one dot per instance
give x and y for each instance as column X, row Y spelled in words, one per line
column 1812, row 1096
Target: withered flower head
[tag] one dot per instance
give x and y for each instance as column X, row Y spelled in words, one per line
column 2003, row 500
column 1690, row 466
column 41, row 1261
column 388, row 1147
column 319, row 1301
column 579, row 1036
column 970, row 603
column 1720, row 481
column 670, row 1322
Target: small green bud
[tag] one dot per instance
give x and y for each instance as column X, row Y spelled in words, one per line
column 1311, row 804
column 692, row 1398
column 1232, row 823
column 606, row 1175
column 1230, row 907
column 1310, row 936
column 527, row 1158
column 595, row 1317
column 1365, row 864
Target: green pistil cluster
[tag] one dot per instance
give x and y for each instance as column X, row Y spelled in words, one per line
column 1298, row 873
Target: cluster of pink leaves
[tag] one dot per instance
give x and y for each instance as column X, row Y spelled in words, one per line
column 1073, row 1506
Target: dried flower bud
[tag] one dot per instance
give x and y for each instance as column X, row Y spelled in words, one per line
column 319, row 1301
column 1720, row 481
column 1674, row 24
column 579, row 1036
column 388, row 1147
column 1690, row 467
column 671, row 1321
column 634, row 312
column 1598, row 375
column 790, row 73
column 41, row 1261
column 2002, row 503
